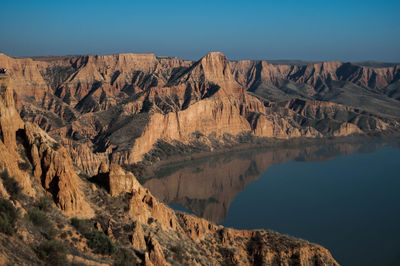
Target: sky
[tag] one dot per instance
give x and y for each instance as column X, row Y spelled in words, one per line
column 342, row 30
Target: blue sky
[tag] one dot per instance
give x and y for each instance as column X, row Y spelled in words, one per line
column 351, row 30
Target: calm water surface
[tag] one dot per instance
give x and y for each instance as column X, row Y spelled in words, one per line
column 345, row 196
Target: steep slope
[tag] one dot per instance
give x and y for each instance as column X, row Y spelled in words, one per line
column 28, row 153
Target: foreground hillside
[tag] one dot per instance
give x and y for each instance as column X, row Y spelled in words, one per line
column 131, row 108
column 50, row 215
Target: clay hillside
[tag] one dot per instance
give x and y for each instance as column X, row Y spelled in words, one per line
column 50, row 215
column 130, row 109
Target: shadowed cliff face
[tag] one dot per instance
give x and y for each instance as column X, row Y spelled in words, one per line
column 207, row 187
column 372, row 89
column 118, row 107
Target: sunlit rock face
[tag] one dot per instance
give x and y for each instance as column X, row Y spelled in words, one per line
column 24, row 147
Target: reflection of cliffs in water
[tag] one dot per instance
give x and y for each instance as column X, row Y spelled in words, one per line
column 207, row 187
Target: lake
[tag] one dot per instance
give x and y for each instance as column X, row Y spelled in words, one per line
column 343, row 196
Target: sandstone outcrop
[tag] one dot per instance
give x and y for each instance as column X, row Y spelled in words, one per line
column 115, row 179
column 53, row 167
column 11, row 154
column 27, row 151
column 155, row 256
column 138, row 238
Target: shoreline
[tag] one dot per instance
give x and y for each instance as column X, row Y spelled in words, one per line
column 175, row 161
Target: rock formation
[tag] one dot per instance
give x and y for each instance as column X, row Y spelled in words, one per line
column 10, row 124
column 115, row 179
column 118, row 107
column 27, row 152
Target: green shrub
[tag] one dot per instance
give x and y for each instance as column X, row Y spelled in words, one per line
column 8, row 217
column 12, row 186
column 56, row 146
column 178, row 252
column 52, row 252
column 97, row 240
column 45, row 204
column 64, row 235
column 100, row 243
column 177, row 249
column 23, row 166
column 40, row 219
column 124, row 257
column 82, row 226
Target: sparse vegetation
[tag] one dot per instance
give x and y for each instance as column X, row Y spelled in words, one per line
column 12, row 186
column 100, row 243
column 124, row 257
column 40, row 219
column 227, row 254
column 82, row 226
column 56, row 146
column 64, row 235
column 45, row 204
column 55, row 75
column 8, row 217
column 253, row 247
column 178, row 252
column 23, row 166
column 197, row 134
column 97, row 240
column 52, row 252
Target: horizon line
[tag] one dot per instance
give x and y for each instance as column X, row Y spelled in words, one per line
column 283, row 60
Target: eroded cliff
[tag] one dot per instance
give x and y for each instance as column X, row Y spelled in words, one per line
column 119, row 107
column 28, row 153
